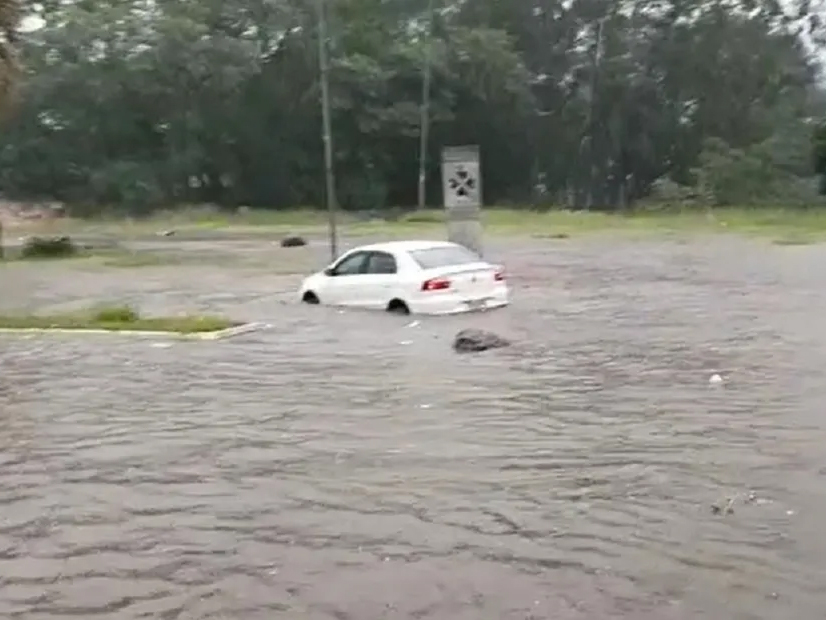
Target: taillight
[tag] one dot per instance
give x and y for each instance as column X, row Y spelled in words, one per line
column 436, row 284
column 500, row 276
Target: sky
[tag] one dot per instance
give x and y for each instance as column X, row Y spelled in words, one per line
column 31, row 23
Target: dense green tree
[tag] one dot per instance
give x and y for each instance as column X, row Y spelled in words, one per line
column 9, row 67
column 589, row 103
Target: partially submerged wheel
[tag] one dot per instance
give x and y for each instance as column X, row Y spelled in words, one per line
column 310, row 298
column 397, row 306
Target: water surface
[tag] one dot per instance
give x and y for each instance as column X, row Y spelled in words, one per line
column 350, row 466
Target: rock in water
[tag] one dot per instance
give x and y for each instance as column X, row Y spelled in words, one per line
column 293, row 242
column 475, row 340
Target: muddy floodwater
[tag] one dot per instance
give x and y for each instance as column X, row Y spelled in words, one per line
column 350, row 466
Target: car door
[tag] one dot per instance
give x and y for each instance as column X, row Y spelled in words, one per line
column 345, row 285
column 382, row 279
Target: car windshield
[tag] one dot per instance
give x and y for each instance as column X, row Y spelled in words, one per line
column 444, row 256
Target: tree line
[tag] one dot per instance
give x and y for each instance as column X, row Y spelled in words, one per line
column 141, row 104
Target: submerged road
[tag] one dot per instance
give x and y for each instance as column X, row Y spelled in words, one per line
column 349, row 466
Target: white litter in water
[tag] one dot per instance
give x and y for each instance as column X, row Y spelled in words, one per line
column 715, row 379
column 425, row 406
column 161, row 345
column 406, row 342
column 415, row 324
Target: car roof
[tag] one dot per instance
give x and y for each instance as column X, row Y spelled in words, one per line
column 406, row 246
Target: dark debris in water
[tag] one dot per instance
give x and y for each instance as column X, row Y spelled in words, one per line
column 725, row 506
column 293, row 242
column 477, row 340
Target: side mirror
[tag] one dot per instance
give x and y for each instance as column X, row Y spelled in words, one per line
column 328, row 271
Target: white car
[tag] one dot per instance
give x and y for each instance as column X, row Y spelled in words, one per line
column 419, row 277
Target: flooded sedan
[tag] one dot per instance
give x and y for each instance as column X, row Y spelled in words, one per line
column 404, row 277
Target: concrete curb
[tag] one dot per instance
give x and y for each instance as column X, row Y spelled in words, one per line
column 223, row 334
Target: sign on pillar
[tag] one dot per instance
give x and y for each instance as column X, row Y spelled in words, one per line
column 462, row 189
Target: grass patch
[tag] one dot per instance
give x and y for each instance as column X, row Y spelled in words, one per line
column 106, row 257
column 128, row 260
column 778, row 223
column 118, row 318
column 49, row 248
column 786, row 224
column 424, row 217
column 795, row 240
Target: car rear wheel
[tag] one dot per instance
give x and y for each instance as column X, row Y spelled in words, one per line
column 310, row 298
column 397, row 306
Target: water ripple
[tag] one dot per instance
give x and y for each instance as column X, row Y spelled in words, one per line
column 346, row 465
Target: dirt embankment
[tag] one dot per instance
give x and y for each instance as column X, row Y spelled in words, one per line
column 18, row 214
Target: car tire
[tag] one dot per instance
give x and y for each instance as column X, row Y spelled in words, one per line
column 397, row 306
column 310, row 298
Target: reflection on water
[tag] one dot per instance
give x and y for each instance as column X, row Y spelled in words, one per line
column 323, row 469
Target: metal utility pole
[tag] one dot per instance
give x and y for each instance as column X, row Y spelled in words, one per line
column 324, row 70
column 592, row 110
column 424, row 123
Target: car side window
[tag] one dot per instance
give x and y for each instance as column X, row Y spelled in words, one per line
column 381, row 263
column 352, row 265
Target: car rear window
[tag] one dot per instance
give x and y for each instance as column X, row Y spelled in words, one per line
column 444, row 256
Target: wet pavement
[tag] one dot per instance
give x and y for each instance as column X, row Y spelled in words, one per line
column 351, row 466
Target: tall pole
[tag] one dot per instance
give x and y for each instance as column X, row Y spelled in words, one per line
column 324, row 68
column 592, row 111
column 424, row 122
